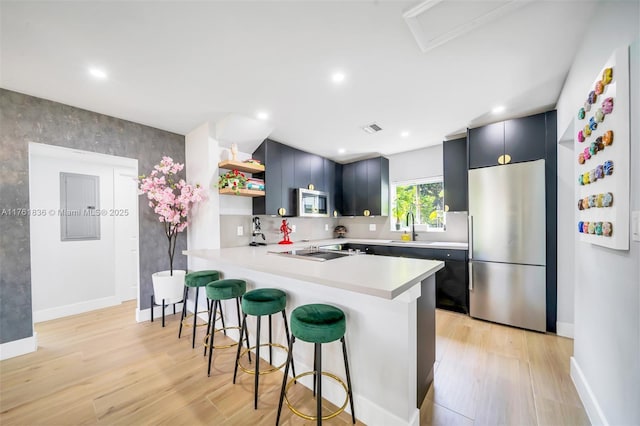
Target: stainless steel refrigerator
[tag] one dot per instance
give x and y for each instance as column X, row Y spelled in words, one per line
column 507, row 254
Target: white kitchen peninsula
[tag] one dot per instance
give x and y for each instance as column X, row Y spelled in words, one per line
column 389, row 303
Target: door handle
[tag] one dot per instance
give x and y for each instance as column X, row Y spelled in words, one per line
column 470, row 237
column 470, row 276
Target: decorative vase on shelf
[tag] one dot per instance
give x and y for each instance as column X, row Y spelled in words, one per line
column 234, row 152
column 168, row 287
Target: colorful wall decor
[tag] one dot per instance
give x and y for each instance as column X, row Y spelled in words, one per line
column 603, row 114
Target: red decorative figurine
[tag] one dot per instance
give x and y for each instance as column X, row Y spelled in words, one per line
column 285, row 229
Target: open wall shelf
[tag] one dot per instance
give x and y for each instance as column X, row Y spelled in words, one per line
column 242, row 192
column 240, row 166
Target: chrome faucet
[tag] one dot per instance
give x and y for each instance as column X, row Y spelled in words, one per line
column 413, row 225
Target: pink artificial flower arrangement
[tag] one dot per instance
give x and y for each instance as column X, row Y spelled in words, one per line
column 171, row 199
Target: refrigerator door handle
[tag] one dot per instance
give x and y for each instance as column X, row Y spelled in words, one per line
column 470, row 276
column 470, row 238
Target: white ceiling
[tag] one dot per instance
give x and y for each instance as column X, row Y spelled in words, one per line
column 175, row 65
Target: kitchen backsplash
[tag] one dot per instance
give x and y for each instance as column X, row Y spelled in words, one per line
column 322, row 228
column 359, row 227
column 305, row 229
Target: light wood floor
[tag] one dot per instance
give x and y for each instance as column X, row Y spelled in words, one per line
column 104, row 368
column 489, row 374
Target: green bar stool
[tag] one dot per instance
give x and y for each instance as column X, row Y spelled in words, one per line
column 317, row 324
column 216, row 292
column 195, row 280
column 260, row 302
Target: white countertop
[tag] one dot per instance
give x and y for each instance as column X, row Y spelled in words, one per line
column 443, row 245
column 381, row 276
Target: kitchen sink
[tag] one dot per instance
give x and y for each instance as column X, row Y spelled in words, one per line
column 317, row 254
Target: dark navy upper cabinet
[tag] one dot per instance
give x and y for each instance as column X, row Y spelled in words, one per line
column 309, row 171
column 356, row 189
column 349, row 189
column 337, row 195
column 302, row 169
column 506, row 142
column 454, row 153
column 278, row 176
column 286, row 170
column 316, row 173
column 332, row 186
column 365, row 188
column 486, row 145
column 524, row 138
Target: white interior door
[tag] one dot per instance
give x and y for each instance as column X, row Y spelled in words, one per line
column 125, row 216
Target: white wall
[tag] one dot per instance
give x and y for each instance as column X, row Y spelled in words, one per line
column 606, row 362
column 566, row 241
column 69, row 277
column 202, row 167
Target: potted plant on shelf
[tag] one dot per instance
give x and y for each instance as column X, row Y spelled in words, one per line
column 234, row 179
column 171, row 198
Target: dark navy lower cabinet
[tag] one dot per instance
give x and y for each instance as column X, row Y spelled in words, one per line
column 452, row 281
column 451, row 287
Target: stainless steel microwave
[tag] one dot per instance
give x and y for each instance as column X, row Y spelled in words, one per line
column 313, row 203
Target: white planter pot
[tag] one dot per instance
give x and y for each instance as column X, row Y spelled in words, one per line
column 168, row 287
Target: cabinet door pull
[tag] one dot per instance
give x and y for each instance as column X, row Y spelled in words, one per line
column 367, row 213
column 470, row 276
column 507, row 159
column 501, row 159
column 282, row 211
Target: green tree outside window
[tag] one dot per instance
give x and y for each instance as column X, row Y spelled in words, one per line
column 425, row 199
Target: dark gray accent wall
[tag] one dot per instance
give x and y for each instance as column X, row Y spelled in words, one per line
column 25, row 119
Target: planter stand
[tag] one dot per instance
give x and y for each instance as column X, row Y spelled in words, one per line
column 153, row 304
column 168, row 289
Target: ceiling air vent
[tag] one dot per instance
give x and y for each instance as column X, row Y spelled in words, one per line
column 372, row 128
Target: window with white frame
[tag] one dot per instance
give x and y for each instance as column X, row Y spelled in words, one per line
column 422, row 197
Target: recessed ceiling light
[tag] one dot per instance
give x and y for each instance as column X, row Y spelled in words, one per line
column 337, row 77
column 498, row 109
column 342, row 151
column 98, row 73
column 262, row 115
column 404, row 134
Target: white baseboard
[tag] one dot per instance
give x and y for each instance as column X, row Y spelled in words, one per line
column 564, row 329
column 591, row 406
column 19, row 347
column 130, row 293
column 373, row 414
column 73, row 309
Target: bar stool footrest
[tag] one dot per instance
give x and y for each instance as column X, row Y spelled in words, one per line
column 187, row 320
column 217, row 330
column 308, row 416
column 268, row 370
